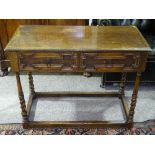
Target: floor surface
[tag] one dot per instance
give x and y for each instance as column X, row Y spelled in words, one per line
column 73, row 108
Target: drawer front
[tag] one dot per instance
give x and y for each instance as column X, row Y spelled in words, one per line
column 109, row 62
column 49, row 62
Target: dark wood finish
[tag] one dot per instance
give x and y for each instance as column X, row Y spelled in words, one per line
column 76, row 94
column 79, row 38
column 31, row 85
column 49, row 62
column 92, row 124
column 134, row 98
column 9, row 26
column 3, row 33
column 110, row 61
column 3, row 63
column 78, row 49
column 79, row 61
column 122, row 84
column 14, row 62
column 78, row 123
column 21, row 99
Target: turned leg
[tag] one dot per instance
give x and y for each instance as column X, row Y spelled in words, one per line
column 21, row 98
column 122, row 84
column 31, row 85
column 134, row 98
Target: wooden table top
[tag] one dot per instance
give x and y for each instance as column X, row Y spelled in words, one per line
column 77, row 38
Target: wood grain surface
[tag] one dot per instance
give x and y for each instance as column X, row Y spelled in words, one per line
column 73, row 38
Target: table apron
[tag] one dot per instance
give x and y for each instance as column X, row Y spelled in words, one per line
column 81, row 61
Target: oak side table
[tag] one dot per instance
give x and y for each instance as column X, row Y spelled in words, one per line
column 77, row 49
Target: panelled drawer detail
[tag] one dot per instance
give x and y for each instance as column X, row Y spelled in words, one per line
column 80, row 61
column 48, row 61
column 104, row 62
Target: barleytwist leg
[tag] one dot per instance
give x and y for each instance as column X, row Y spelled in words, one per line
column 134, row 98
column 21, row 98
column 122, row 83
column 31, row 85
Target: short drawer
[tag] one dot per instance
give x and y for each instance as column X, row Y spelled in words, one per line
column 48, row 61
column 110, row 62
